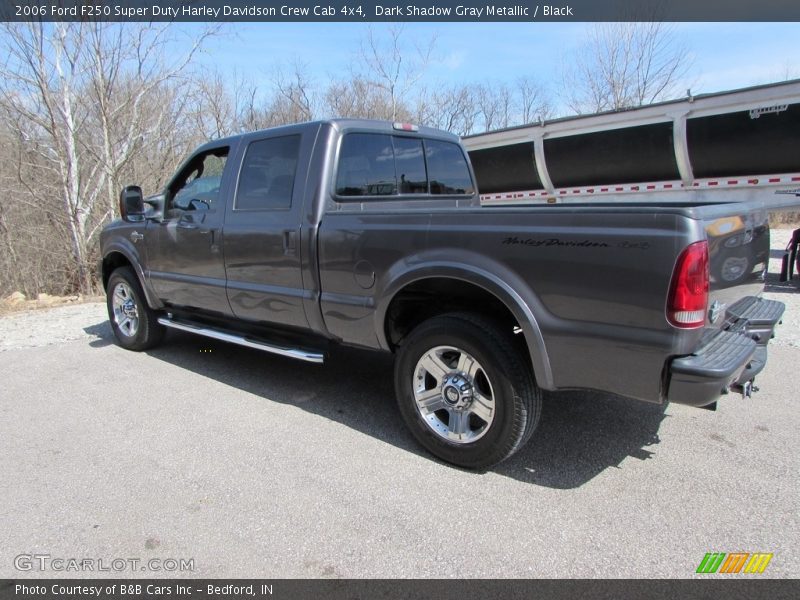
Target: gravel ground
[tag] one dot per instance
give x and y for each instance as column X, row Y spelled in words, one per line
column 51, row 326
column 788, row 293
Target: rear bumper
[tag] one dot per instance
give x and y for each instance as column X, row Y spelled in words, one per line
column 726, row 359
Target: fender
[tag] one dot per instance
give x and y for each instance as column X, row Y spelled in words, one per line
column 123, row 246
column 478, row 270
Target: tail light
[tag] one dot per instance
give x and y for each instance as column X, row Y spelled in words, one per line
column 688, row 292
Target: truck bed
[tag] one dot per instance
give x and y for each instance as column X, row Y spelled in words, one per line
column 592, row 276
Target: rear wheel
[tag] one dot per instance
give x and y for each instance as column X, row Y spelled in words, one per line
column 134, row 323
column 465, row 391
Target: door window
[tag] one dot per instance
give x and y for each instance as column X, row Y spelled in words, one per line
column 268, row 171
column 196, row 188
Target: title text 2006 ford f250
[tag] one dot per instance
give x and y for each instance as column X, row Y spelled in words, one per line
column 371, row 234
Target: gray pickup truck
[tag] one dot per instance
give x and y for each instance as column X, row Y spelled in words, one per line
column 371, row 234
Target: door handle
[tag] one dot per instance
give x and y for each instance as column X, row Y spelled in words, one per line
column 289, row 242
column 136, row 236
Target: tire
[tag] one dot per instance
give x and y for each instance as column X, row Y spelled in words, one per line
column 134, row 323
column 465, row 391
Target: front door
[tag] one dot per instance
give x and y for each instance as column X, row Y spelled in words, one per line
column 184, row 250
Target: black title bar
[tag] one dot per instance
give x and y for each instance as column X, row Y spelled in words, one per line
column 400, row 11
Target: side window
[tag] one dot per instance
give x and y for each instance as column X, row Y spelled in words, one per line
column 409, row 160
column 366, row 166
column 197, row 186
column 447, row 168
column 372, row 164
column 267, row 178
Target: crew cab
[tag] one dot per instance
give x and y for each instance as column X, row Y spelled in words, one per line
column 297, row 239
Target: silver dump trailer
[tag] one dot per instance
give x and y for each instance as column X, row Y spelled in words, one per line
column 729, row 146
column 736, row 146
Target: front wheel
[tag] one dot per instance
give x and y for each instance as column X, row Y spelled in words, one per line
column 465, row 391
column 134, row 323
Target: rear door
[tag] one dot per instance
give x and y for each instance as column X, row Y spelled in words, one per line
column 262, row 228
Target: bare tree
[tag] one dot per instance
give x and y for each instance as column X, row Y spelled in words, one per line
column 80, row 97
column 452, row 109
column 34, row 242
column 392, row 68
column 296, row 101
column 533, row 102
column 41, row 93
column 787, row 72
column 212, row 110
column 496, row 105
column 123, row 79
column 357, row 97
column 622, row 65
column 488, row 106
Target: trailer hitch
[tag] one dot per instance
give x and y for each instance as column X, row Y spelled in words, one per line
column 746, row 389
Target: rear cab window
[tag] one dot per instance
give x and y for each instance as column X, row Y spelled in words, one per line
column 383, row 166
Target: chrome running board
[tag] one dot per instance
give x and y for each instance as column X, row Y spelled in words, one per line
column 313, row 357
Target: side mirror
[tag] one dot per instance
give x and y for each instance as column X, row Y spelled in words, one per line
column 131, row 203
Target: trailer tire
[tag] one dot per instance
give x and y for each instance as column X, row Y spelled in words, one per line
column 465, row 391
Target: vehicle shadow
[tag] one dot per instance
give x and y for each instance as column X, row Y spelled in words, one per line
column 102, row 334
column 776, row 254
column 775, row 286
column 580, row 434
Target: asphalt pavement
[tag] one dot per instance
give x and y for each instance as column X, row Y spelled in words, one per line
column 242, row 464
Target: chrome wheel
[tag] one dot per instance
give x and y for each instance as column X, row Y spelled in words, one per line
column 453, row 394
column 126, row 313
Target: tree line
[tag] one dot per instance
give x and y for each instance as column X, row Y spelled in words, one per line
column 86, row 108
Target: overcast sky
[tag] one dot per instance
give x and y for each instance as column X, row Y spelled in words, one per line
column 723, row 55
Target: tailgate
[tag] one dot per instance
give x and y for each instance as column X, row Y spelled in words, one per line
column 738, row 250
column 739, row 323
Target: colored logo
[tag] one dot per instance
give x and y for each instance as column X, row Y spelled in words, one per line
column 734, row 562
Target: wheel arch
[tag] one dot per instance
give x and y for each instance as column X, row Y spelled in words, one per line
column 119, row 256
column 465, row 287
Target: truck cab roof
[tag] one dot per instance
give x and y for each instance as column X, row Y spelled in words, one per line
column 341, row 125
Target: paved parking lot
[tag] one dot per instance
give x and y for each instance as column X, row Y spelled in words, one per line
column 258, row 466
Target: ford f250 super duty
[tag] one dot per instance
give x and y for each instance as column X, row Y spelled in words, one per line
column 371, row 234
